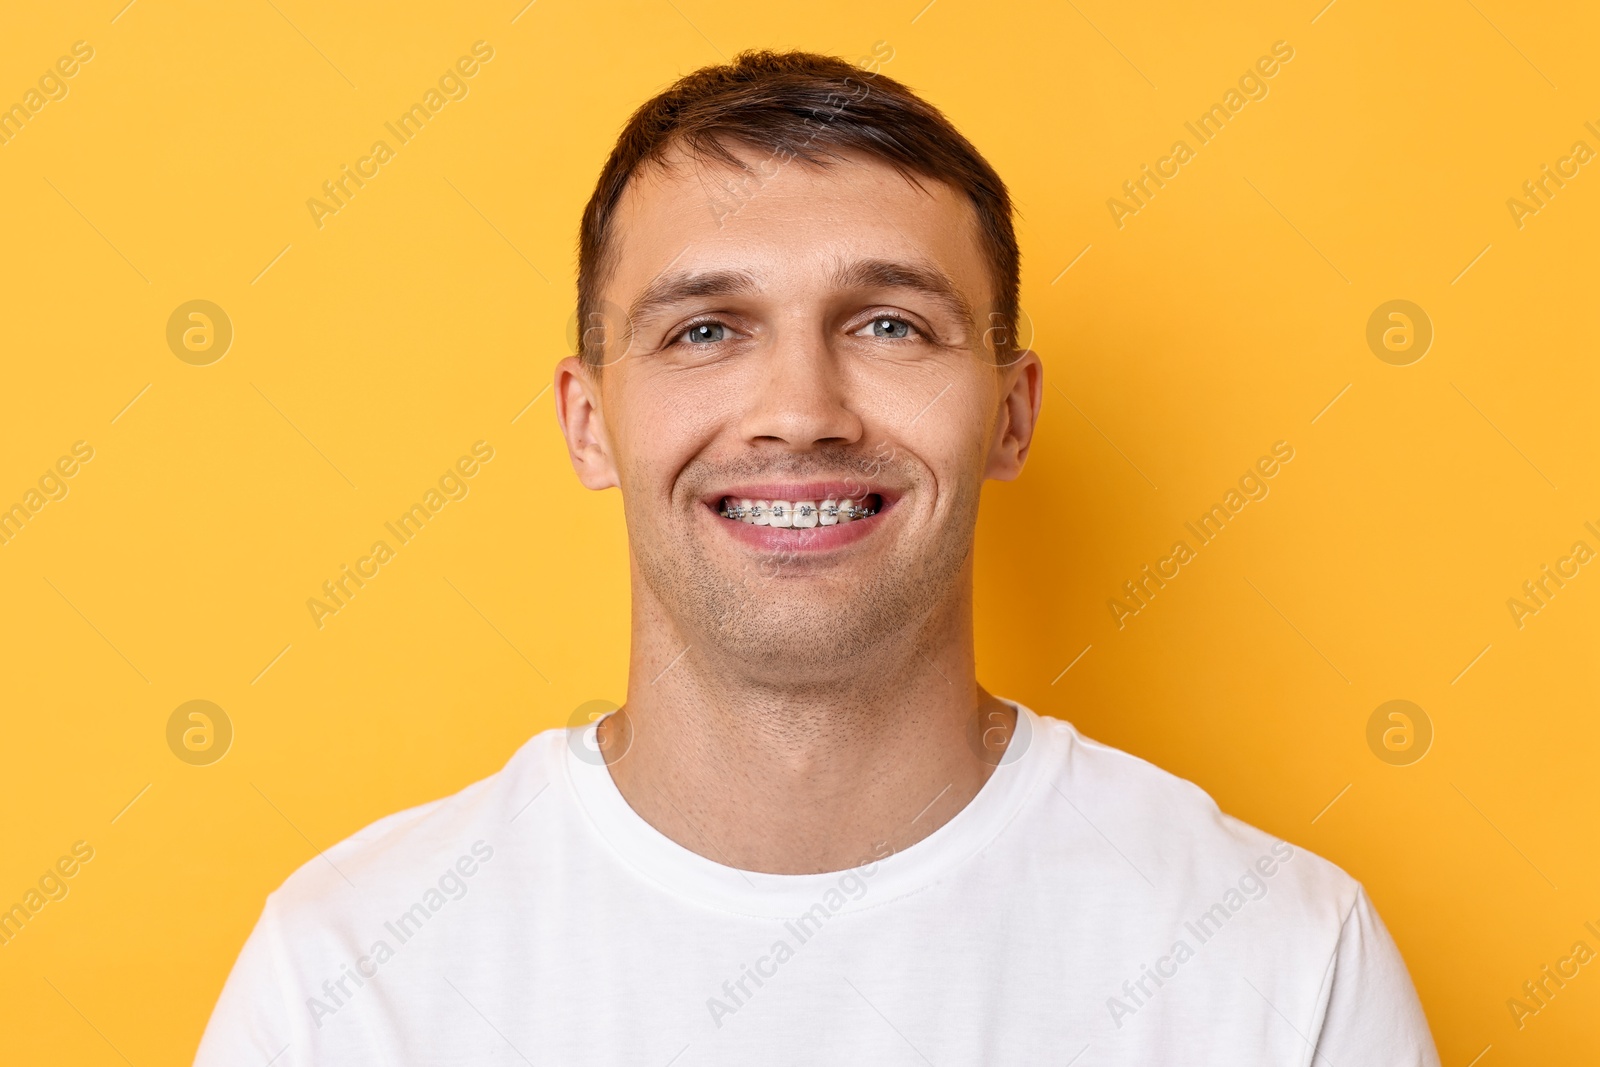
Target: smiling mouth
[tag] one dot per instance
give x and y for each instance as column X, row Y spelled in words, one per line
column 799, row 514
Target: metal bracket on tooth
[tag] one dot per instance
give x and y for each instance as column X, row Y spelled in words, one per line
column 852, row 511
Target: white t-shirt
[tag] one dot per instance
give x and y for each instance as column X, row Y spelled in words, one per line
column 1084, row 908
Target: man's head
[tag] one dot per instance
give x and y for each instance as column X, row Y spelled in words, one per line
column 798, row 292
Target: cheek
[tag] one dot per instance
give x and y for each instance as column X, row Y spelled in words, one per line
column 950, row 438
column 963, row 420
column 920, row 392
column 660, row 423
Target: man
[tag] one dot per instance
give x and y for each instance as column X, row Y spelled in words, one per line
column 810, row 836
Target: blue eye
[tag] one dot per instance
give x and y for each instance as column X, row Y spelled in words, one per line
column 705, row 333
column 890, row 328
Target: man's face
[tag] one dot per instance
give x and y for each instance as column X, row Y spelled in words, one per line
column 798, row 402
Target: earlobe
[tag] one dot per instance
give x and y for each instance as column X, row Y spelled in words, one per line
column 582, row 423
column 1022, row 385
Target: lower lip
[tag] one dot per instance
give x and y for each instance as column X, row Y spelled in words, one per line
column 807, row 539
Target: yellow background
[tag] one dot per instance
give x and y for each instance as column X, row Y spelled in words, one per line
column 427, row 314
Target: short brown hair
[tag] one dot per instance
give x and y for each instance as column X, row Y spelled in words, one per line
column 805, row 106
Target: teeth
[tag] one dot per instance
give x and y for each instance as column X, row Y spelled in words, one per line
column 799, row 514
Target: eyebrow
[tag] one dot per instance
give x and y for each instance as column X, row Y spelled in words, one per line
column 669, row 289
column 917, row 278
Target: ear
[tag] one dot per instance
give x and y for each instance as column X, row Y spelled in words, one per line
column 1022, row 390
column 583, row 424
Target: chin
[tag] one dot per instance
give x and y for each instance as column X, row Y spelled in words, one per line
column 801, row 622
column 806, row 639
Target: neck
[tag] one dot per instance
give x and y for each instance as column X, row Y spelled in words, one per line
column 727, row 760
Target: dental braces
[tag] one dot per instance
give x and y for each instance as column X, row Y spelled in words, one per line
column 849, row 510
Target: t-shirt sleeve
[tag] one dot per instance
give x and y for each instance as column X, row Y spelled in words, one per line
column 251, row 1023
column 1373, row 1017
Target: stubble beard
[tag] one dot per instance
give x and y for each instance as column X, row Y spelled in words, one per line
column 781, row 621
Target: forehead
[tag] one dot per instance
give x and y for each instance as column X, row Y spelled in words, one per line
column 790, row 225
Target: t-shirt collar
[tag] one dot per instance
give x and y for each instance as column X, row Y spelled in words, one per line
column 874, row 881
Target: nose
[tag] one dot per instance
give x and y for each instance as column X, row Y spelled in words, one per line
column 801, row 396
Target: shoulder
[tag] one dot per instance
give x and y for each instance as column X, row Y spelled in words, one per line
column 1182, row 843
column 419, row 843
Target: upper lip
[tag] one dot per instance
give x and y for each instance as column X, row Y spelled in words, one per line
column 848, row 489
